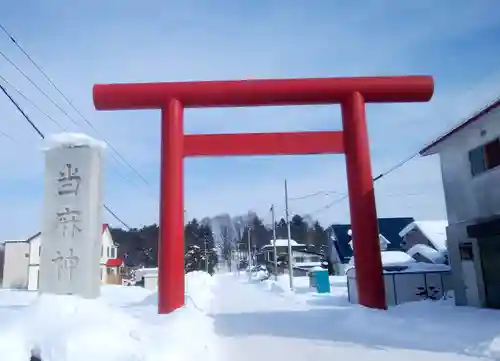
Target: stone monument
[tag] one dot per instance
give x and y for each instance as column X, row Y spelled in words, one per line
column 72, row 216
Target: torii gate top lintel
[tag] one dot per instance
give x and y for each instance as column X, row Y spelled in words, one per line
column 264, row 92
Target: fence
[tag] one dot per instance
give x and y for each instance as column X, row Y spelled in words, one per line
column 401, row 287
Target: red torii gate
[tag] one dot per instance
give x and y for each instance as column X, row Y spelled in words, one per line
column 350, row 93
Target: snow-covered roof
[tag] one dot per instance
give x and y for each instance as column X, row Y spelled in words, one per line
column 14, row 241
column 434, row 231
column 282, row 243
column 393, row 258
column 384, row 242
column 428, row 149
column 428, row 252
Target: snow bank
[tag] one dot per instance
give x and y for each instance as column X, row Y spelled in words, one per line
column 282, row 285
column 72, row 140
column 122, row 325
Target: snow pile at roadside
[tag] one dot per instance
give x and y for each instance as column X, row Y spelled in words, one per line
column 282, row 285
column 122, row 325
column 438, row 327
column 199, row 287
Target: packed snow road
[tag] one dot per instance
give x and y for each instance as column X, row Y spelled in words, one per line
column 254, row 323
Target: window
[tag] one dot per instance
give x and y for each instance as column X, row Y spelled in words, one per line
column 485, row 157
column 107, row 252
column 40, row 250
column 466, row 253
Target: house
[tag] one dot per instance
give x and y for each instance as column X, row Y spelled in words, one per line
column 303, row 259
column 282, row 246
column 470, row 169
column 15, row 265
column 266, row 253
column 388, row 228
column 425, row 241
column 22, row 261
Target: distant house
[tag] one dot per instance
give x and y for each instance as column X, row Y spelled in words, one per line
column 470, row 170
column 22, row 261
column 303, row 259
column 388, row 228
column 266, row 253
column 282, row 246
column 15, row 266
column 425, row 241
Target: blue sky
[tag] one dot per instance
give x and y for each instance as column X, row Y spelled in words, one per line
column 128, row 41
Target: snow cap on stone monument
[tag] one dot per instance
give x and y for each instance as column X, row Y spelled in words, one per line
column 72, row 140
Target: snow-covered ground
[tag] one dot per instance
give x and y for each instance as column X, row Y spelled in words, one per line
column 122, row 325
column 264, row 320
column 230, row 317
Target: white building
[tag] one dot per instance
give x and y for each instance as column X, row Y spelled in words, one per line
column 301, row 256
column 470, row 168
column 22, row 261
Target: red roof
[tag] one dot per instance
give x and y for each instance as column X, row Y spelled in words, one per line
column 468, row 121
column 114, row 262
column 105, row 226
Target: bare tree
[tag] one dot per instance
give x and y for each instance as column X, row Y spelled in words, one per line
column 227, row 243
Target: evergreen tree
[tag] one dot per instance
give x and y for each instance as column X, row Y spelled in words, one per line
column 318, row 237
column 281, row 229
column 227, row 245
column 298, row 229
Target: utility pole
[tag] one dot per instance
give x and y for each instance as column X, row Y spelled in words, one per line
column 274, row 244
column 249, row 253
column 206, row 256
column 290, row 255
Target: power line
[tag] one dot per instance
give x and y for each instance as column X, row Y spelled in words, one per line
column 39, row 132
column 310, row 195
column 22, row 112
column 72, row 105
column 19, row 92
column 32, row 103
column 116, row 217
column 3, row 134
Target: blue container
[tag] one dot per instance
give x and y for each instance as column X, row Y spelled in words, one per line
column 322, row 281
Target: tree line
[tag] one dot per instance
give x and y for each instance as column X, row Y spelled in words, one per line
column 139, row 247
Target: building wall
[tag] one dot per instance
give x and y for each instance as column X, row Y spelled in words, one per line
column 33, row 277
column 16, row 265
column 35, row 250
column 467, row 199
column 108, row 249
column 470, row 197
